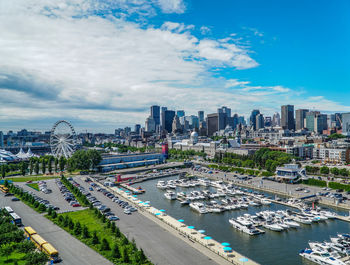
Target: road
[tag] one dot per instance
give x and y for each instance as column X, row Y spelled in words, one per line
column 71, row 250
column 160, row 246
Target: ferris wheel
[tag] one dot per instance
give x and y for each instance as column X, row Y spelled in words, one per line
column 62, row 139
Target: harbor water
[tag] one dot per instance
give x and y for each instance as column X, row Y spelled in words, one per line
column 270, row 248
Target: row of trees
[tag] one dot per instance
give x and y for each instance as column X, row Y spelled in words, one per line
column 326, row 171
column 241, row 171
column 264, row 158
column 77, row 193
column 12, row 241
column 186, row 154
column 26, row 197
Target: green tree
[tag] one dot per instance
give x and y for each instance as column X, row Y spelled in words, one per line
column 37, row 168
column 62, row 163
column 36, row 258
column 25, row 246
column 344, row 172
column 77, row 228
column 56, row 164
column 95, row 239
column 3, row 171
column 50, row 164
column 105, row 245
column 43, row 165
column 85, row 232
column 6, row 250
column 125, row 255
column 115, row 252
column 23, row 166
column 334, row 171
column 324, row 170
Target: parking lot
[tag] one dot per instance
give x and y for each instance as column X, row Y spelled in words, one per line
column 56, row 198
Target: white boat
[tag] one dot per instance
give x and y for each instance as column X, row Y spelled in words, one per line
column 170, row 195
column 161, row 185
column 199, row 207
column 291, row 223
column 247, row 228
column 302, row 219
column 322, row 258
column 265, row 202
column 330, row 215
column 273, row 227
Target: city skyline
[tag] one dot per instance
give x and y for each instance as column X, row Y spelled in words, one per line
column 220, row 51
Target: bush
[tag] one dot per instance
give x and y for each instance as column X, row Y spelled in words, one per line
column 315, row 182
column 336, row 185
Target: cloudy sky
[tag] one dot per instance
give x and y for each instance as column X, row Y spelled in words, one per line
column 101, row 64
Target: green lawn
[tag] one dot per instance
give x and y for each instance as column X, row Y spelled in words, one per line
column 14, row 256
column 24, row 179
column 34, row 186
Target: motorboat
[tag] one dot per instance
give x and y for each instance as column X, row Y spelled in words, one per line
column 272, row 226
column 170, row 195
column 199, row 207
column 247, row 228
column 323, row 258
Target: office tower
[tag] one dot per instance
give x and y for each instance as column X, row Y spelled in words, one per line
column 1, row 139
column 163, row 117
column 310, row 120
column 201, row 115
column 215, row 122
column 150, row 124
column 287, row 119
column 155, row 113
column 276, row 119
column 193, row 121
column 331, row 121
column 300, row 115
column 235, row 120
column 253, row 118
column 320, row 123
column 180, row 113
column 268, row 121
column 346, row 124
column 259, row 121
column 241, row 120
column 176, row 126
column 168, row 120
column 137, row 128
column 225, row 110
column 338, row 119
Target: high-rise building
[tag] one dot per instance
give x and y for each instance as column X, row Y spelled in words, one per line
column 168, row 120
column 215, row 122
column 320, row 123
column 193, row 121
column 155, row 113
column 338, row 119
column 201, row 115
column 300, row 115
column 137, row 128
column 259, row 121
column 1, row 139
column 150, row 124
column 241, row 120
column 176, row 126
column 276, row 119
column 346, row 124
column 252, row 118
column 310, row 120
column 163, row 117
column 180, row 113
column 268, row 121
column 287, row 119
column 225, row 110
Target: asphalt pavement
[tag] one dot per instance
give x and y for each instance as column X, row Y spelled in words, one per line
column 71, row 250
column 160, row 246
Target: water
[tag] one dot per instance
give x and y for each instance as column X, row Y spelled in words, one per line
column 271, row 248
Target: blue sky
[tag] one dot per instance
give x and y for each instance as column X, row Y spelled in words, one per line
column 101, row 64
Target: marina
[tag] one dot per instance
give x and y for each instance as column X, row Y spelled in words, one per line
column 284, row 244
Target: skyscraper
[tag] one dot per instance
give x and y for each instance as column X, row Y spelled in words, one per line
column 215, row 122
column 137, row 128
column 252, row 119
column 300, row 115
column 287, row 119
column 168, row 120
column 150, row 124
column 163, row 117
column 176, row 126
column 201, row 115
column 346, row 124
column 276, row 119
column 180, row 113
column 1, row 139
column 155, row 113
column 260, row 121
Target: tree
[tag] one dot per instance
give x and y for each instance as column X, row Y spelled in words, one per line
column 115, row 251
column 56, row 164
column 36, row 258
column 126, row 258
column 31, row 167
column 6, row 250
column 23, row 168
column 37, row 168
column 344, row 172
column 70, row 224
column 77, row 228
column 43, row 165
column 117, row 232
column 105, row 245
column 95, row 157
column 324, row 170
column 95, row 239
column 142, row 256
column 50, row 164
column 25, row 246
column 334, row 171
column 62, row 163
column 85, row 232
column 3, row 171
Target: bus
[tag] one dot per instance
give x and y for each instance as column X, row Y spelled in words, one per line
column 16, row 219
column 4, row 189
column 43, row 245
column 8, row 209
column 28, row 231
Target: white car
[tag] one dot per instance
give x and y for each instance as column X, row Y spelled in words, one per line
column 306, row 191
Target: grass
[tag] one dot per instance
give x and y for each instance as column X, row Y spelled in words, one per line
column 24, row 179
column 34, row 186
column 12, row 258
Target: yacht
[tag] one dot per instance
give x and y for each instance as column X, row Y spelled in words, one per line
column 199, row 207
column 161, row 185
column 291, row 223
column 245, row 227
column 170, row 195
column 302, row 219
column 323, row 258
column 272, row 226
column 265, row 202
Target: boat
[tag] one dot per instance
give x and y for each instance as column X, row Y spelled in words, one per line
column 161, row 185
column 291, row 223
column 323, row 258
column 302, row 219
column 199, row 207
column 265, row 202
column 184, row 202
column 245, row 227
column 273, row 227
column 170, row 195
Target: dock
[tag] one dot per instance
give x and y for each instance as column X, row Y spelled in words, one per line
column 185, row 232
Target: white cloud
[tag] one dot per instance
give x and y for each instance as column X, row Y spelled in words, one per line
column 205, row 30
column 172, row 6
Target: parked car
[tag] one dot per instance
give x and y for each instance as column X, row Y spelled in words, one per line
column 113, row 218
column 15, row 199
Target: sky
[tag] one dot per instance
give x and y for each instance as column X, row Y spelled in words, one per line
column 102, row 64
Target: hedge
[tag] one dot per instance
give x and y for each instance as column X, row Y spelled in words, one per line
column 315, row 182
column 336, row 185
